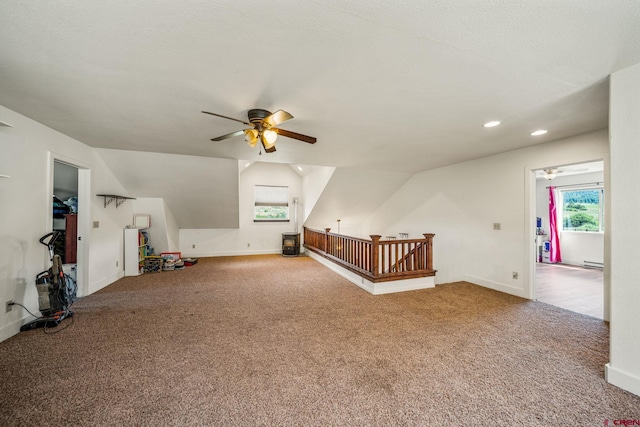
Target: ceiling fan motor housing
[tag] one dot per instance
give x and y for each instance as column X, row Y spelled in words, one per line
column 257, row 115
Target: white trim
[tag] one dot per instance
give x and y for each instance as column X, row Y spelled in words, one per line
column 502, row 287
column 230, row 253
column 601, row 196
column 379, row 288
column 13, row 328
column 530, row 249
column 624, row 380
column 530, row 215
column 106, row 281
column 84, row 215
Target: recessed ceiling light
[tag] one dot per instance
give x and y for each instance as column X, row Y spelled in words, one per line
column 539, row 132
column 300, row 168
column 491, row 124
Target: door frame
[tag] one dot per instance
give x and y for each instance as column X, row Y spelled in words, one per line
column 530, row 225
column 84, row 214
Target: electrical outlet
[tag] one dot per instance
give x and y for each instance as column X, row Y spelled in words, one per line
column 9, row 306
column 248, row 245
column 96, row 224
column 193, row 246
column 514, row 275
column 496, row 226
column 117, row 263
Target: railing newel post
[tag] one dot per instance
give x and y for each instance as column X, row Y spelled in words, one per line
column 429, row 240
column 326, row 240
column 375, row 247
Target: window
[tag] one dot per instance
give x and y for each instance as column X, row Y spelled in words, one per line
column 271, row 203
column 582, row 209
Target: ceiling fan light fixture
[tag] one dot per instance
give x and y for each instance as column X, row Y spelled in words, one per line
column 269, row 138
column 262, row 128
column 550, row 173
column 251, row 137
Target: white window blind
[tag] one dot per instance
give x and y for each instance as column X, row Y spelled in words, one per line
column 271, row 203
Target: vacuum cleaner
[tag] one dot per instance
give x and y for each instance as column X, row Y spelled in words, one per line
column 56, row 290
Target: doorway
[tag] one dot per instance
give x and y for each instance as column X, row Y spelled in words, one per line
column 65, row 214
column 575, row 281
column 69, row 198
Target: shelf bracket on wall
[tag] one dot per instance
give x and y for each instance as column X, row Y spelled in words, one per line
column 108, row 198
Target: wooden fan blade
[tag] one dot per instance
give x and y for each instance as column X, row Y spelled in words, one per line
column 294, row 135
column 229, row 135
column 230, row 118
column 278, row 117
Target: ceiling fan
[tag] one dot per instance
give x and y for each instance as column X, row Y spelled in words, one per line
column 262, row 127
column 551, row 173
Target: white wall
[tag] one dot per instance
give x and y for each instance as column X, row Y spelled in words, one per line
column 106, row 244
column 250, row 237
column 172, row 229
column 576, row 247
column 623, row 369
column 202, row 192
column 460, row 203
column 351, row 195
column 164, row 234
column 313, row 185
column 26, row 209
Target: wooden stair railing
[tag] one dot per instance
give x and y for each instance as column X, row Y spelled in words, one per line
column 376, row 260
column 414, row 256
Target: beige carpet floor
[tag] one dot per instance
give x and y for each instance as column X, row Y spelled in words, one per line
column 273, row 341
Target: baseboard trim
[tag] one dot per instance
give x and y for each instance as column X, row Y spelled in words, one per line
column 100, row 284
column 379, row 288
column 624, row 380
column 12, row 328
column 230, row 253
column 496, row 286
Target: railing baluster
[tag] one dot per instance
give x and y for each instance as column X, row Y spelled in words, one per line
column 379, row 260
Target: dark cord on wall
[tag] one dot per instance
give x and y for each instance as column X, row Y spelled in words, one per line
column 17, row 303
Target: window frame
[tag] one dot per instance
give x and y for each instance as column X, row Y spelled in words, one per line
column 601, row 210
column 261, row 200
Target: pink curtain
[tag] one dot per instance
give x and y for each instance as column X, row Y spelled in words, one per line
column 554, row 244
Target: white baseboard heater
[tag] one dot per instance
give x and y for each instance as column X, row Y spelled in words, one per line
column 593, row 264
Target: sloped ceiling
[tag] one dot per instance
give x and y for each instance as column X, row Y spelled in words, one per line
column 201, row 192
column 397, row 86
column 351, row 196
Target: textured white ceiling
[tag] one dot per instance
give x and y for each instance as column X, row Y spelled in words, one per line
column 402, row 86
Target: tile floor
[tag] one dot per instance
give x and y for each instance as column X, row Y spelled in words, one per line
column 573, row 288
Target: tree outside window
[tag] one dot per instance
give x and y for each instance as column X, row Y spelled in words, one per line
column 582, row 210
column 271, row 203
